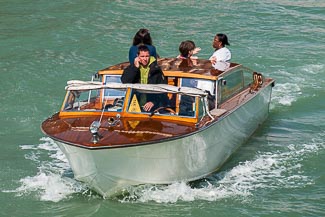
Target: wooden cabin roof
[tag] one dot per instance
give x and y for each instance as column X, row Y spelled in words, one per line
column 176, row 67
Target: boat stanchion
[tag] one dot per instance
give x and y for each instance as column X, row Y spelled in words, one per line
column 94, row 127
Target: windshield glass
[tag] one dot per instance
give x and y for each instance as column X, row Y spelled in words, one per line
column 113, row 93
column 162, row 103
column 95, row 100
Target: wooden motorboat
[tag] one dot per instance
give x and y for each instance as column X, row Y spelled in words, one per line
column 203, row 116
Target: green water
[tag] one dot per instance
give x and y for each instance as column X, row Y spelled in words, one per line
column 278, row 172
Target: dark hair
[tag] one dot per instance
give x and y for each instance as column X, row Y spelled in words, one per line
column 223, row 38
column 143, row 48
column 185, row 47
column 142, row 37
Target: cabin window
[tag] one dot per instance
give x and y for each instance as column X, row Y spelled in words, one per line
column 248, row 77
column 187, row 106
column 202, row 109
column 233, row 82
column 203, row 84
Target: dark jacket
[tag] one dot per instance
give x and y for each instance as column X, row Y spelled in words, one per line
column 131, row 74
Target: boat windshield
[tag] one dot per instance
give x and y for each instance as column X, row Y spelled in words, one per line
column 113, row 93
column 113, row 96
column 163, row 103
column 109, row 99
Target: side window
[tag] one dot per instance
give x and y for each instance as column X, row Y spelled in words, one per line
column 235, row 82
column 248, row 77
column 189, row 102
column 187, row 106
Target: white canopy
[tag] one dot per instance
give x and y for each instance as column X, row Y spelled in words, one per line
column 75, row 85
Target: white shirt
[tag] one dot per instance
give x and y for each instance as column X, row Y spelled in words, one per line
column 223, row 56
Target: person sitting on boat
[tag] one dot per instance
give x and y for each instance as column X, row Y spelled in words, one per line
column 145, row 70
column 187, row 49
column 220, row 59
column 142, row 37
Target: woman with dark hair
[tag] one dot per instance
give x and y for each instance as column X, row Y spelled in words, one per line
column 221, row 53
column 142, row 37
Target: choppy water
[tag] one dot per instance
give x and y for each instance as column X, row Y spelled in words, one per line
column 278, row 172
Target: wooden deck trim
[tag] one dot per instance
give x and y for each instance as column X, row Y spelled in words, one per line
column 167, row 73
column 73, row 114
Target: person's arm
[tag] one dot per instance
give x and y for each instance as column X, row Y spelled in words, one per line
column 196, row 50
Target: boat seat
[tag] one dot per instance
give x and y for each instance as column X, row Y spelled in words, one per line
column 218, row 112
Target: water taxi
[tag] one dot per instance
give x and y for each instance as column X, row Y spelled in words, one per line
column 203, row 116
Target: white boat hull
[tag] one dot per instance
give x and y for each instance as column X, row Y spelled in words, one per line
column 189, row 158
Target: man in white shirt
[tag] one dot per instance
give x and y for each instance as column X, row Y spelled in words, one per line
column 221, row 57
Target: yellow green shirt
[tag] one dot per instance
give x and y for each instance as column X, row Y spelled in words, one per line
column 144, row 71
